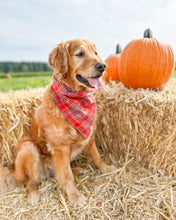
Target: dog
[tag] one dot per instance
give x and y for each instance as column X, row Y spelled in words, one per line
column 59, row 133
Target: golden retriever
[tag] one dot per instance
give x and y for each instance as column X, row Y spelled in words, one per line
column 53, row 142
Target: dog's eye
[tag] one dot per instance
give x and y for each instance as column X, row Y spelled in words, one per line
column 80, row 54
column 96, row 53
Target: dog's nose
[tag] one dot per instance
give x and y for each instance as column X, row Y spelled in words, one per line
column 100, row 66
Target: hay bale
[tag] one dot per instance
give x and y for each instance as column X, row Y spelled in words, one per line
column 140, row 123
column 8, row 76
column 16, row 111
column 132, row 191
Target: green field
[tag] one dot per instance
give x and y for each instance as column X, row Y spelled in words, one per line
column 27, row 80
column 24, row 80
column 174, row 73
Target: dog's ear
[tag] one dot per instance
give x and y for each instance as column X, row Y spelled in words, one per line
column 58, row 58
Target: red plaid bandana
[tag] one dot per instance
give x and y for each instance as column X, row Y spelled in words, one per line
column 78, row 107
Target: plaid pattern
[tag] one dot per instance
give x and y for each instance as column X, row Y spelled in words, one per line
column 78, row 107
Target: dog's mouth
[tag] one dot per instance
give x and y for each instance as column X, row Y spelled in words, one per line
column 93, row 82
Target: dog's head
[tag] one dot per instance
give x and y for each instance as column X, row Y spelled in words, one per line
column 77, row 64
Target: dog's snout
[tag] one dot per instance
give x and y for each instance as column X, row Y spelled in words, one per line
column 100, row 66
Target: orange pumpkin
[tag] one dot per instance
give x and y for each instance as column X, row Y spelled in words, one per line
column 146, row 63
column 112, row 63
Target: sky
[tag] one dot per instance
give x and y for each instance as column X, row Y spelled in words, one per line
column 30, row 29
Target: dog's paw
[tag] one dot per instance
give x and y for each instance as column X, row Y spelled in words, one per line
column 78, row 170
column 77, row 199
column 108, row 168
column 33, row 197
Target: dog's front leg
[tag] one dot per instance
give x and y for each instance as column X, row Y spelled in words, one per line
column 64, row 175
column 94, row 155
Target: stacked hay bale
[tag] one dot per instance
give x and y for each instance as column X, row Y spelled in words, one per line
column 16, row 111
column 140, row 123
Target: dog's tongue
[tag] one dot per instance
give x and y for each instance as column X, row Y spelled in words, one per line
column 96, row 82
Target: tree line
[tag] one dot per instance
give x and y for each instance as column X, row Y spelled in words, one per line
column 8, row 67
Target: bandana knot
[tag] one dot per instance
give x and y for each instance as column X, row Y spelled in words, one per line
column 78, row 107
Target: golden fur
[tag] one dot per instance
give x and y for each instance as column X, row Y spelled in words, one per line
column 52, row 142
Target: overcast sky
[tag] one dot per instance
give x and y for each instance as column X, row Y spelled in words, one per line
column 29, row 29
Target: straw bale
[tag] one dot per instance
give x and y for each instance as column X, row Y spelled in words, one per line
column 139, row 122
column 131, row 192
column 16, row 111
column 125, row 128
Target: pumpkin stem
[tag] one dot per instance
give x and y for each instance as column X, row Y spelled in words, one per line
column 118, row 49
column 148, row 33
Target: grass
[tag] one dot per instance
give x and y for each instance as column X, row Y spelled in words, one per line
column 27, row 80
column 24, row 80
column 174, row 73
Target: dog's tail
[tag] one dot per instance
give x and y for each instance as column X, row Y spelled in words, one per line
column 7, row 180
